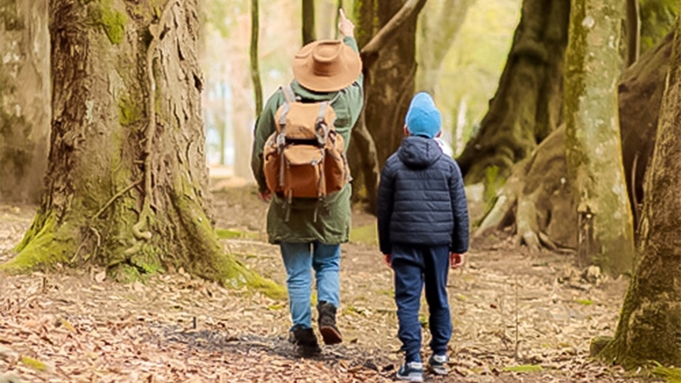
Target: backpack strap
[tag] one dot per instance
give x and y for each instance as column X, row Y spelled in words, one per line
column 321, row 129
column 289, row 94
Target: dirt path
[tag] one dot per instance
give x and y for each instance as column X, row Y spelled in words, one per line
column 80, row 327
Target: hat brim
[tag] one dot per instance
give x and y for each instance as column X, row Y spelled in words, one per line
column 349, row 71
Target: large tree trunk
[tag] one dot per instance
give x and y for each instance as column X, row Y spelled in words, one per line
column 593, row 145
column 537, row 198
column 24, row 99
column 438, row 25
column 391, row 83
column 649, row 323
column 528, row 104
column 127, row 179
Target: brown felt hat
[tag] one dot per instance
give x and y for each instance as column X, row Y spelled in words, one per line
column 326, row 66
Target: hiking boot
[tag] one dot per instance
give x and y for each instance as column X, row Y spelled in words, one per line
column 305, row 340
column 327, row 323
column 410, row 372
column 437, row 364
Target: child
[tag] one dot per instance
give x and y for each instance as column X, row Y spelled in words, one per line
column 423, row 229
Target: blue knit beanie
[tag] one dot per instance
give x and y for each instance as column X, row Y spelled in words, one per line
column 423, row 118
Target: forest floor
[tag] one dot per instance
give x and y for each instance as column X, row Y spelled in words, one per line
column 517, row 317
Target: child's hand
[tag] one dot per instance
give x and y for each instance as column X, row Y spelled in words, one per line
column 387, row 258
column 456, row 260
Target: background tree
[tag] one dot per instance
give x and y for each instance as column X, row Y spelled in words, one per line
column 127, row 180
column 648, row 327
column 386, row 33
column 527, row 106
column 438, row 25
column 633, row 31
column 24, row 99
column 593, row 146
column 537, row 198
column 254, row 58
column 309, row 29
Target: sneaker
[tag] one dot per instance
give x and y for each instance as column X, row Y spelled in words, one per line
column 305, row 340
column 327, row 323
column 437, row 364
column 410, row 372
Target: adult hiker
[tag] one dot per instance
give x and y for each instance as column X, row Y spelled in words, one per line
column 299, row 163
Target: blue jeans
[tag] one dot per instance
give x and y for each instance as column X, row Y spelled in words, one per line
column 299, row 259
column 414, row 267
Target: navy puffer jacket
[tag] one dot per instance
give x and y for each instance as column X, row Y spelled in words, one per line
column 421, row 199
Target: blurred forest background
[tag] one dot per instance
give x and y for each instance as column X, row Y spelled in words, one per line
column 478, row 37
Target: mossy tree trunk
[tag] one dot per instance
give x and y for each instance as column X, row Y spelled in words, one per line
column 127, row 180
column 648, row 328
column 593, row 144
column 24, row 99
column 539, row 202
column 528, row 103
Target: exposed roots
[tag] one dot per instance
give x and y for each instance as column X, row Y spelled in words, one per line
column 536, row 201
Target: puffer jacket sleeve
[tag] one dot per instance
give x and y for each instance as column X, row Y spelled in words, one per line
column 460, row 211
column 264, row 127
column 386, row 196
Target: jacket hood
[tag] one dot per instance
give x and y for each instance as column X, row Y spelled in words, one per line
column 419, row 152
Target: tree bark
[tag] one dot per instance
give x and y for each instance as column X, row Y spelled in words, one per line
column 633, row 31
column 540, row 181
column 528, row 103
column 386, row 34
column 439, row 23
column 127, row 180
column 309, row 32
column 24, row 99
column 649, row 323
column 255, row 59
column 593, row 145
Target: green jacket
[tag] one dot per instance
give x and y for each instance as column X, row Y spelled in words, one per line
column 332, row 225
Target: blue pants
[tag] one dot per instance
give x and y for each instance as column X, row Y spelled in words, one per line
column 414, row 267
column 299, row 259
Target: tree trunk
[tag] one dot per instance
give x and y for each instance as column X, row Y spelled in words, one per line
column 391, row 83
column 528, row 104
column 255, row 59
column 593, row 145
column 633, row 31
column 127, row 180
column 439, row 23
column 649, row 323
column 24, row 99
column 539, row 183
column 309, row 32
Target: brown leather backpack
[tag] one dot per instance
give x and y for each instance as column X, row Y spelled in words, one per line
column 305, row 157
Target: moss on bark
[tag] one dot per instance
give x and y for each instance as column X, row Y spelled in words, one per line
column 127, row 181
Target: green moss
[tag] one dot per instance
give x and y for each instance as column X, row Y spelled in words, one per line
column 234, row 234
column 50, row 245
column 103, row 14
column 128, row 111
column 585, row 302
column 524, row 368
column 147, row 260
column 670, row 375
column 367, row 234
